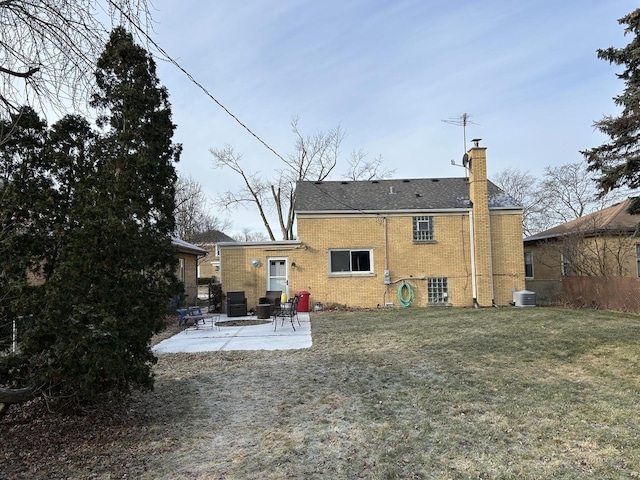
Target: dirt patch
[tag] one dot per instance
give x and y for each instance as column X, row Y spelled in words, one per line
column 241, row 323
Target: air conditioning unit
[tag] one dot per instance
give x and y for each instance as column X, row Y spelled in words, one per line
column 524, row 298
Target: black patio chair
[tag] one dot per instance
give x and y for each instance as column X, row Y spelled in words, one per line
column 287, row 310
column 272, row 297
column 236, row 304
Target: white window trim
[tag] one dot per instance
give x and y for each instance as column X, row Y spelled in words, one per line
column 351, row 272
column 416, row 221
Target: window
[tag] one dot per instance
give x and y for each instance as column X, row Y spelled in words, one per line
column 350, row 261
column 528, row 264
column 181, row 270
column 437, row 290
column 422, row 229
column 566, row 265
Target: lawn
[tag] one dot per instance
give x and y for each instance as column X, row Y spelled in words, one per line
column 385, row 394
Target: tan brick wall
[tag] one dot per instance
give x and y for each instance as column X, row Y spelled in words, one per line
column 237, row 273
column 204, row 263
column 478, row 195
column 507, row 255
column 448, row 256
column 190, row 277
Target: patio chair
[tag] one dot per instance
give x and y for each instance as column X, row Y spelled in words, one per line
column 272, row 297
column 236, row 304
column 287, row 310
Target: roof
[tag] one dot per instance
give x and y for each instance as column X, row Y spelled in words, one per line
column 210, row 236
column 186, row 247
column 418, row 194
column 614, row 219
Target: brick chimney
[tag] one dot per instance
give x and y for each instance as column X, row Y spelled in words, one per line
column 481, row 224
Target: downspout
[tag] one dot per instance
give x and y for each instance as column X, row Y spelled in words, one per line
column 386, row 259
column 386, row 244
column 473, row 259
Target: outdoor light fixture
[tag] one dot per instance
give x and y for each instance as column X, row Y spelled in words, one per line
column 293, row 264
column 255, row 262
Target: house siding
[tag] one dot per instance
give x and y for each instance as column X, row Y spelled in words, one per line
column 238, row 274
column 190, row 276
column 447, row 256
column 459, row 212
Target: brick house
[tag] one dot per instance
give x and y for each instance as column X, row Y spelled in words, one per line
column 601, row 245
column 209, row 264
column 447, row 241
column 187, row 270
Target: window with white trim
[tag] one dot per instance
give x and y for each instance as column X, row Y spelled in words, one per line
column 528, row 264
column 423, row 229
column 350, row 261
column 437, row 290
column 181, row 270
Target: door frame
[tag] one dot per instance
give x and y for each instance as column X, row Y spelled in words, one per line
column 286, row 270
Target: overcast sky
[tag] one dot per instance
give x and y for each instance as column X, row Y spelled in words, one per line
column 389, row 72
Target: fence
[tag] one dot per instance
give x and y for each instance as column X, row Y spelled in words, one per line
column 608, row 293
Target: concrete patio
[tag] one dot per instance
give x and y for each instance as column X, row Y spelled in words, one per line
column 212, row 338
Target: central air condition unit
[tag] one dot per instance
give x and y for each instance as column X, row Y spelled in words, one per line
column 524, row 298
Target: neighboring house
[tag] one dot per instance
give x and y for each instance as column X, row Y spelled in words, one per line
column 600, row 246
column 453, row 241
column 187, row 272
column 209, row 265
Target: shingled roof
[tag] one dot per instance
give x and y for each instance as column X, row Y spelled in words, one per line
column 418, row 194
column 614, row 219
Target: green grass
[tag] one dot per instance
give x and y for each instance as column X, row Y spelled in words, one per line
column 404, row 394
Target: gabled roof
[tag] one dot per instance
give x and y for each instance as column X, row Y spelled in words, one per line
column 614, row 220
column 418, row 194
column 186, row 247
column 210, row 236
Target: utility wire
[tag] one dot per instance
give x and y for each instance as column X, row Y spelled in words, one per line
column 191, row 78
column 206, row 92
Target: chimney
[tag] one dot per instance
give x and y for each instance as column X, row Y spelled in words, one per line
column 478, row 194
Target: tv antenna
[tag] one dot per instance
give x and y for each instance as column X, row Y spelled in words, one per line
column 462, row 121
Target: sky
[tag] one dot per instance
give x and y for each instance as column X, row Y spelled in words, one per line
column 396, row 75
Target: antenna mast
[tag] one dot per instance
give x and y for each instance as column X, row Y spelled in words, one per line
column 462, row 121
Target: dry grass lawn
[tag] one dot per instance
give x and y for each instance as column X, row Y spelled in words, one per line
column 388, row 394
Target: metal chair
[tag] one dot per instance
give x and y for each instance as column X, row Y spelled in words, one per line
column 287, row 310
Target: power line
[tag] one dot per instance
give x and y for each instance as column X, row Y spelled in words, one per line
column 192, row 79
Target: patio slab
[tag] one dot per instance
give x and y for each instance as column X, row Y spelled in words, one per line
column 209, row 338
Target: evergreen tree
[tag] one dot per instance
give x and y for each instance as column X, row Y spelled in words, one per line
column 106, row 264
column 618, row 160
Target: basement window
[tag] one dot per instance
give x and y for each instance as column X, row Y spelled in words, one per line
column 437, row 290
column 350, row 261
column 423, row 229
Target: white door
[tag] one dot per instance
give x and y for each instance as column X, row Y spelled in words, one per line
column 277, row 276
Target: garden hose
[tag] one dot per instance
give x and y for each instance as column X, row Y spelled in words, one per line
column 405, row 303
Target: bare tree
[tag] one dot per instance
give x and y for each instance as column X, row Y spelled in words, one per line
column 49, row 49
column 314, row 158
column 192, row 213
column 362, row 169
column 248, row 236
column 563, row 194
column 592, row 250
column 521, row 186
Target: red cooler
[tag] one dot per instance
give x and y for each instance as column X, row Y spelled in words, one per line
column 303, row 303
